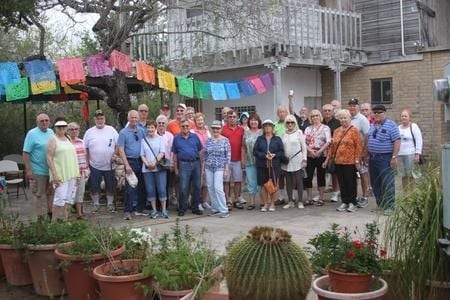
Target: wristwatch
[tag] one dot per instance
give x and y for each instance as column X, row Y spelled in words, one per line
column 393, row 156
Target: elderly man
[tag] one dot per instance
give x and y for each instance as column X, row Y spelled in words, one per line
column 129, row 146
column 225, row 111
column 367, row 112
column 100, row 142
column 36, row 168
column 187, row 165
column 143, row 116
column 383, row 146
column 361, row 122
column 336, row 105
column 165, row 111
column 302, row 119
column 174, row 126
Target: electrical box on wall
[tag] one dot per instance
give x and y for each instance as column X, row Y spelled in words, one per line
column 441, row 91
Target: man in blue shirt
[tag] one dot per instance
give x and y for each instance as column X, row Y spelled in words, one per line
column 186, row 160
column 35, row 161
column 383, row 146
column 129, row 144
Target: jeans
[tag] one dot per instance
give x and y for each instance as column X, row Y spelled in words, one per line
column 135, row 197
column 382, row 179
column 214, row 180
column 189, row 171
column 346, row 175
column 156, row 183
column 252, row 184
column 295, row 179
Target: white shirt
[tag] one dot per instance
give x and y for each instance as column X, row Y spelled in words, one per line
column 101, row 144
column 407, row 142
column 293, row 142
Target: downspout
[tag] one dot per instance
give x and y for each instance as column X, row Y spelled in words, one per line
column 402, row 30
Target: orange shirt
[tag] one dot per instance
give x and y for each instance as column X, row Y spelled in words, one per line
column 174, row 127
column 350, row 148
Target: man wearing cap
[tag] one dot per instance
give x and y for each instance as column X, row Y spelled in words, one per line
column 186, row 161
column 129, row 146
column 34, row 158
column 234, row 133
column 100, row 142
column 174, row 126
column 362, row 123
column 143, row 116
column 383, row 146
column 165, row 111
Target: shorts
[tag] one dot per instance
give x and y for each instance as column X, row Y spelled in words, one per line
column 65, row 193
column 405, row 165
column 81, row 187
column 96, row 179
column 234, row 172
column 39, row 185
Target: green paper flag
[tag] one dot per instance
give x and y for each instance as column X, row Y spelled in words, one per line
column 202, row 90
column 185, row 87
column 16, row 91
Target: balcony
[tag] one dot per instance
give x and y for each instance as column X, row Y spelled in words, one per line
column 300, row 33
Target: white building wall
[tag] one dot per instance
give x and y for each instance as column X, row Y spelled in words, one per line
column 304, row 81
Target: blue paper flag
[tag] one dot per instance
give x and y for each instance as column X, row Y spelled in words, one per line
column 9, row 73
column 233, row 90
column 218, row 91
column 267, row 80
column 37, row 66
column 247, row 88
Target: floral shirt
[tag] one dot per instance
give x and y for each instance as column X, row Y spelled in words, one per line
column 317, row 137
column 349, row 150
column 249, row 140
column 217, row 154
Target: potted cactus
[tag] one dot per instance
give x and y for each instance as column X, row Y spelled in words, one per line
column 267, row 264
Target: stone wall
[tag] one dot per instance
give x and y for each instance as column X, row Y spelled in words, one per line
column 411, row 87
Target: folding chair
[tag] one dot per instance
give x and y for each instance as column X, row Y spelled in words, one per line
column 10, row 169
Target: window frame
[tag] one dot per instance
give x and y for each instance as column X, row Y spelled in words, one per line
column 382, row 92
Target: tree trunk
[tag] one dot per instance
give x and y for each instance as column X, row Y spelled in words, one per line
column 119, row 98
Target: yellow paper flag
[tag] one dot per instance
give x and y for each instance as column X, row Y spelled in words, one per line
column 167, row 81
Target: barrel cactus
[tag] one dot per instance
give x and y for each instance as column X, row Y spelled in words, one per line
column 267, row 264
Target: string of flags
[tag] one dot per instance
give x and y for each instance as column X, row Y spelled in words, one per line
column 41, row 78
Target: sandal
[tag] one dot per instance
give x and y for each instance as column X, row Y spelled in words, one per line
column 230, row 206
column 320, row 202
column 238, row 205
column 308, row 203
column 251, row 206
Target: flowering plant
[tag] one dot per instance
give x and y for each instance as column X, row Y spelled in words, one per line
column 343, row 251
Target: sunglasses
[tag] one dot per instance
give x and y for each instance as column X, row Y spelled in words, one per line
column 110, row 142
column 374, row 135
column 184, row 126
column 290, row 122
column 378, row 112
column 136, row 136
column 312, row 116
column 43, row 121
column 161, row 123
column 74, row 129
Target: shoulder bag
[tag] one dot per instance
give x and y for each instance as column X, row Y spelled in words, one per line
column 163, row 163
column 270, row 186
column 331, row 167
column 421, row 158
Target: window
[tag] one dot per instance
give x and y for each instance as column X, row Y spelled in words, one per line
column 381, row 90
column 238, row 109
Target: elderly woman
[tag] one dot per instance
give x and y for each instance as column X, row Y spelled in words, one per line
column 161, row 124
column 317, row 137
column 248, row 143
column 201, row 130
column 217, row 158
column 155, row 178
column 346, row 151
column 64, row 172
column 295, row 150
column 268, row 150
column 410, row 148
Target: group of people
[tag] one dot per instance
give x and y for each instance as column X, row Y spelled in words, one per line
column 358, row 141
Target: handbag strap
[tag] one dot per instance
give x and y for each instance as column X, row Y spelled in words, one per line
column 148, row 144
column 339, row 143
column 270, row 167
column 412, row 134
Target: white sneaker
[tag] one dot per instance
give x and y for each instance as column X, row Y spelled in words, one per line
column 289, row 205
column 300, row 205
column 200, row 207
column 242, row 200
column 316, row 198
column 351, row 208
column 342, row 207
column 334, row 196
column 206, row 205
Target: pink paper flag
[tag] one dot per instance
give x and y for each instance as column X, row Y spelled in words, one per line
column 98, row 66
column 120, row 61
column 70, row 71
column 258, row 84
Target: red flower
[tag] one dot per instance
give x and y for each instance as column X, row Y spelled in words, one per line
column 350, row 254
column 383, row 252
column 358, row 244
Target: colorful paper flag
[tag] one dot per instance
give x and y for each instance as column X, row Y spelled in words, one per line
column 166, row 81
column 9, row 73
column 98, row 66
column 43, row 82
column 70, row 71
column 233, row 90
column 120, row 61
column 246, row 88
column 202, row 90
column 185, row 86
column 267, row 80
column 218, row 91
column 16, row 91
column 257, row 84
column 145, row 72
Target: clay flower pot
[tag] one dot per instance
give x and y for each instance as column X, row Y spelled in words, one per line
column 321, row 286
column 15, row 266
column 173, row 295
column 77, row 274
column 349, row 282
column 44, row 268
column 122, row 287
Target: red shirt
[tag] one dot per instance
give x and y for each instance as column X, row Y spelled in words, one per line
column 235, row 137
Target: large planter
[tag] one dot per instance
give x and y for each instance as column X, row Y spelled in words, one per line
column 77, row 274
column 349, row 282
column 321, row 287
column 123, row 286
column 173, row 295
column 15, row 266
column 45, row 272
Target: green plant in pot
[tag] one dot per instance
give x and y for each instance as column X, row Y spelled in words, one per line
column 181, row 263
column 267, row 264
column 411, row 235
column 347, row 256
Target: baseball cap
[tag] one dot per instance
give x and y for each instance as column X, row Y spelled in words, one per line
column 353, row 101
column 268, row 122
column 216, row 124
column 181, row 105
column 378, row 107
column 99, row 112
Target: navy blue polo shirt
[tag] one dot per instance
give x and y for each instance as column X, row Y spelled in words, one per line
column 381, row 140
column 186, row 149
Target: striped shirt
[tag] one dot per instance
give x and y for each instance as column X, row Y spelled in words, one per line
column 81, row 154
column 217, row 154
column 382, row 137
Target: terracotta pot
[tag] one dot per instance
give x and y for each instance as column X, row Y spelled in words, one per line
column 121, row 287
column 44, row 268
column 174, row 295
column 15, row 266
column 77, row 274
column 321, row 287
column 349, row 282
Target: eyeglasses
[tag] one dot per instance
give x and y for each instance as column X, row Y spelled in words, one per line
column 161, row 123
column 110, row 142
column 74, row 129
column 143, row 110
column 184, row 126
column 136, row 136
column 45, row 120
column 312, row 116
column 290, row 122
column 327, row 110
column 232, row 117
column 378, row 112
column 215, row 128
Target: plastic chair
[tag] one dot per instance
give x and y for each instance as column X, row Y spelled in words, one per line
column 9, row 167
